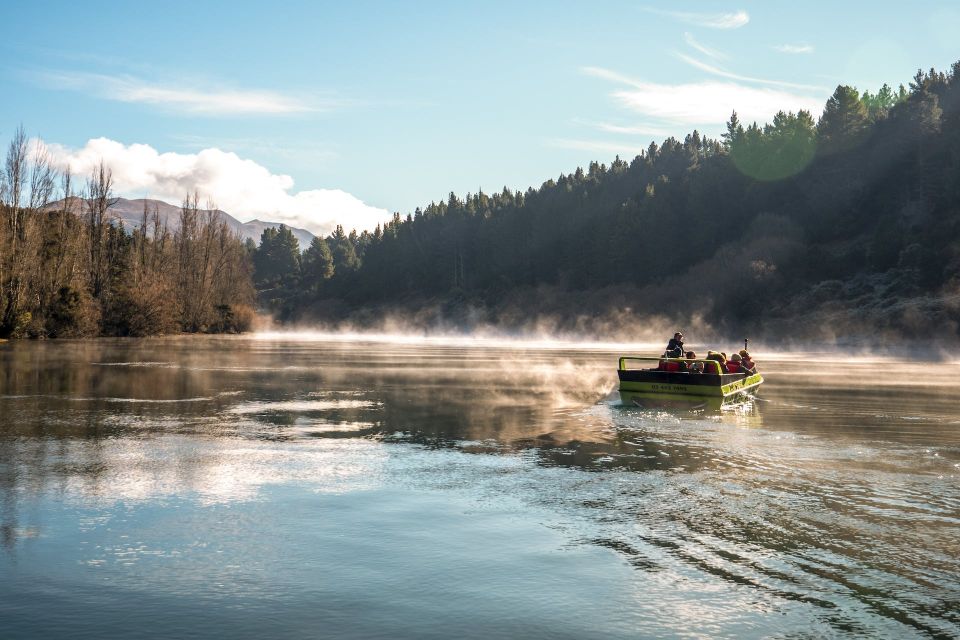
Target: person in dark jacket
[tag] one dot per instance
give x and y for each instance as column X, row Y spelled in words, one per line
column 747, row 363
column 675, row 346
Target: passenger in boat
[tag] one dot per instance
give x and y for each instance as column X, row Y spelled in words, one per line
column 733, row 364
column 671, row 365
column 721, row 359
column 747, row 363
column 675, row 346
column 693, row 367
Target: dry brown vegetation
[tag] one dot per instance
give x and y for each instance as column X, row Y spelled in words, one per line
column 75, row 272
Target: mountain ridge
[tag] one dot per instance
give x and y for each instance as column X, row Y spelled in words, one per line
column 130, row 213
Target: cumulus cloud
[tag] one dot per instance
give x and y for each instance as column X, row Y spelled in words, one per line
column 794, row 48
column 239, row 186
column 180, row 97
column 709, row 20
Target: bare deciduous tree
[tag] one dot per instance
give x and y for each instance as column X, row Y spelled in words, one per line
column 67, row 269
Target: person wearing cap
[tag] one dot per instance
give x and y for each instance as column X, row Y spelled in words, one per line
column 675, row 346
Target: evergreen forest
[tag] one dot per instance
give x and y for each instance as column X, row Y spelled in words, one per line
column 843, row 223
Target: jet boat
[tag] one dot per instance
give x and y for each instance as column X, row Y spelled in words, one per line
column 669, row 382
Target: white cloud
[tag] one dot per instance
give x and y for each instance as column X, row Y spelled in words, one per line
column 705, row 104
column 717, row 71
column 708, row 20
column 712, row 102
column 702, row 48
column 239, row 186
column 180, row 97
column 794, row 48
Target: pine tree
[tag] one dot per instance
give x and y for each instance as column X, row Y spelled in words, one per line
column 317, row 264
column 734, row 132
column 843, row 122
column 344, row 251
column 277, row 260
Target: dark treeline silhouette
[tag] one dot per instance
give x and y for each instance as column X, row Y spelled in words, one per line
column 72, row 271
column 846, row 222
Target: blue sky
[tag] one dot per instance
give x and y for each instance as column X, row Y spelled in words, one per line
column 305, row 109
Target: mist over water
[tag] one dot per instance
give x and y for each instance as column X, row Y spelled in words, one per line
column 284, row 485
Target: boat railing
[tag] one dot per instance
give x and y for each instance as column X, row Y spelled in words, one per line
column 709, row 366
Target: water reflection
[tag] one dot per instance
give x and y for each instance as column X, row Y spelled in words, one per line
column 832, row 502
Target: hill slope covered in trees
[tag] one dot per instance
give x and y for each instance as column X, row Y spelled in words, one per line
column 847, row 224
column 843, row 225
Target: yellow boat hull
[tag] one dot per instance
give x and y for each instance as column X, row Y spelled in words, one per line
column 649, row 387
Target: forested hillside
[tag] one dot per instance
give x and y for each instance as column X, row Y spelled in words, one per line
column 845, row 222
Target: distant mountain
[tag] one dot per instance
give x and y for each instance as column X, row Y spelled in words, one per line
column 130, row 213
column 254, row 229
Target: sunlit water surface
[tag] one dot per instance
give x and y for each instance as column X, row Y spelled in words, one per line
column 291, row 487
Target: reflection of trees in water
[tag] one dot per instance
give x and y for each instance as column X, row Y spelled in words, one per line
column 785, row 517
column 593, row 438
column 79, row 397
column 8, row 495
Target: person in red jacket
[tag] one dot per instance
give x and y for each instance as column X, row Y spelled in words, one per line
column 721, row 359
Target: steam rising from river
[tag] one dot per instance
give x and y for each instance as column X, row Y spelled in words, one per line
column 479, row 339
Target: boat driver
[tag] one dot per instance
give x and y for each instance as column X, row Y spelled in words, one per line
column 675, row 346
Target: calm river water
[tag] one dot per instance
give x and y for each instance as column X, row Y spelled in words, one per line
column 302, row 487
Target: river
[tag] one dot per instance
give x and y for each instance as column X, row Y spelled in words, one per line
column 295, row 486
